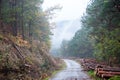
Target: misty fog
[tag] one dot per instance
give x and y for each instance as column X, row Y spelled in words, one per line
column 67, row 21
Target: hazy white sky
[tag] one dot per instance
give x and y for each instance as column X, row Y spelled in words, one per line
column 72, row 9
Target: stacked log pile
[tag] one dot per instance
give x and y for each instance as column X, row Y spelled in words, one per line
column 100, row 69
column 107, row 72
column 88, row 64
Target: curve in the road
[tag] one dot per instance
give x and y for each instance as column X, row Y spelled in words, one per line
column 73, row 71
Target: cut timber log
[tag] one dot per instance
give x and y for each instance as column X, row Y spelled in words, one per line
column 107, row 72
column 101, row 69
column 107, row 75
column 111, row 69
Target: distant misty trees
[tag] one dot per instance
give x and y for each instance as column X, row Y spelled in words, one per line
column 79, row 46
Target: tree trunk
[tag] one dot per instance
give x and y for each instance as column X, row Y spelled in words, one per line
column 15, row 17
column 0, row 8
column 22, row 22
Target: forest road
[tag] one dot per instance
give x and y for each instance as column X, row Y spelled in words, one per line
column 73, row 71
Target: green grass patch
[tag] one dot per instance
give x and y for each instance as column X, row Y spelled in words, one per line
column 46, row 78
column 93, row 76
column 115, row 78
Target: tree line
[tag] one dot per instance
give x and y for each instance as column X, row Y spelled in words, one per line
column 99, row 36
column 25, row 18
column 25, row 33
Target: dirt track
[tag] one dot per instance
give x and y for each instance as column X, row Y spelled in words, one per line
column 73, row 71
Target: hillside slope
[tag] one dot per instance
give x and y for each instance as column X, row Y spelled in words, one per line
column 18, row 62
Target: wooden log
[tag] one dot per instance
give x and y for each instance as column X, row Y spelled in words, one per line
column 91, row 68
column 108, row 72
column 108, row 69
column 111, row 69
column 96, row 70
column 107, row 75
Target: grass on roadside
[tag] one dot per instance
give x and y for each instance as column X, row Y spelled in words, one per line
column 115, row 78
column 93, row 76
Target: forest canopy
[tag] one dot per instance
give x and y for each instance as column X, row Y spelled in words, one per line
column 25, row 18
column 99, row 36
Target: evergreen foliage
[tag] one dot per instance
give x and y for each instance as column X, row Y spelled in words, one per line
column 25, row 18
column 99, row 36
